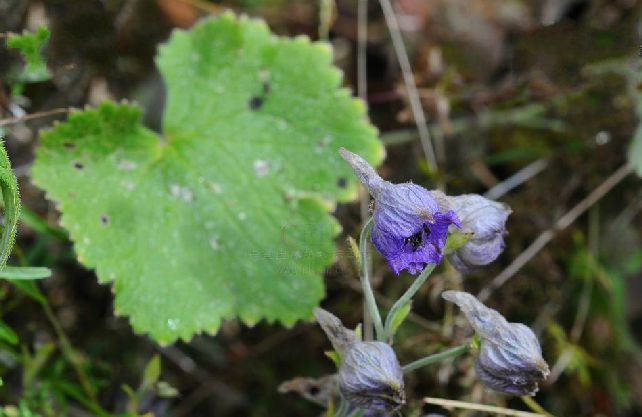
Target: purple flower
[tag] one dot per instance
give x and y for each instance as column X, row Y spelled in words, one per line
column 510, row 357
column 487, row 220
column 410, row 228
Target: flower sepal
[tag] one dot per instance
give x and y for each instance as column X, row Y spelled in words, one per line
column 457, row 239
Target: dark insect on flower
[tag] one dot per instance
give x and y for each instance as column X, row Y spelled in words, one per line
column 370, row 376
column 415, row 240
column 487, row 220
column 410, row 229
column 510, row 357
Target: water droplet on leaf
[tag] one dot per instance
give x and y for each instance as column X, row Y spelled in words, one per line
column 214, row 242
column 173, row 323
column 126, row 165
column 261, row 167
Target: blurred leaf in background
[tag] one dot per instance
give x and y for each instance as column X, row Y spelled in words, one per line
column 30, row 45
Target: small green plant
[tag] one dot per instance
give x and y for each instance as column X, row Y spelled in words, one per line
column 410, row 227
column 30, row 45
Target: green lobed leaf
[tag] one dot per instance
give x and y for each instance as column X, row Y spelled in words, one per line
column 227, row 213
column 11, row 202
column 30, row 45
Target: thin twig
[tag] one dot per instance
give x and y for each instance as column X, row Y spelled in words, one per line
column 227, row 396
column 560, row 365
column 362, row 42
column 547, row 235
column 326, row 9
column 480, row 407
column 515, row 180
column 13, row 120
column 204, row 6
column 409, row 81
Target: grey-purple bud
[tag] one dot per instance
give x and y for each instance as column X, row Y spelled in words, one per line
column 510, row 357
column 487, row 220
column 370, row 377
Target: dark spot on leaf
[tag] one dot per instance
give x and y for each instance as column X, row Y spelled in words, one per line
column 69, row 145
column 255, row 103
column 342, row 182
column 266, row 87
column 104, row 219
column 78, row 165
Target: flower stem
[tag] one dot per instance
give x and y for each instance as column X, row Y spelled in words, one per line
column 406, row 297
column 357, row 413
column 342, row 409
column 371, row 304
column 533, row 405
column 437, row 357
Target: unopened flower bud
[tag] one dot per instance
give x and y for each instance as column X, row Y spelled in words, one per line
column 340, row 336
column 410, row 229
column 370, row 376
column 487, row 220
column 510, row 357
